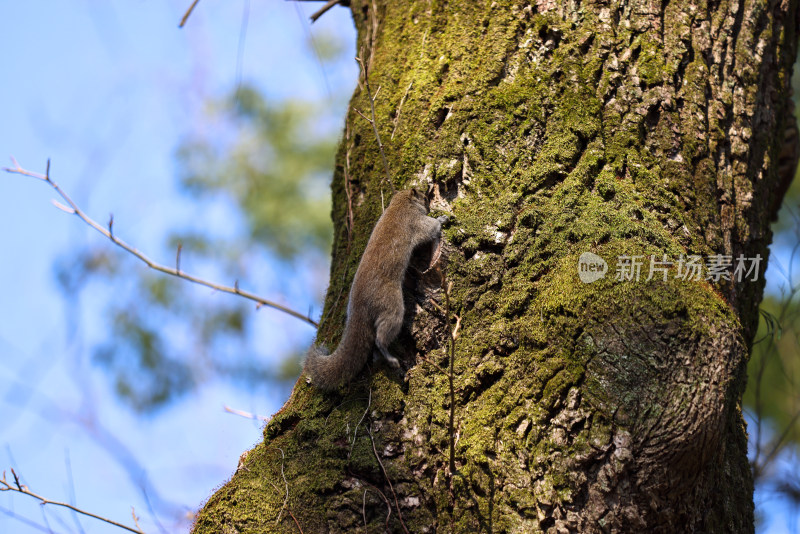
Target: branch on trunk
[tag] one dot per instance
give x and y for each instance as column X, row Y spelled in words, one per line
column 324, row 9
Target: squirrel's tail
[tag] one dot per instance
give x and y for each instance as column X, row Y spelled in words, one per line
column 328, row 371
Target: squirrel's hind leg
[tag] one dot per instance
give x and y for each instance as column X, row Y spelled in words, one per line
column 386, row 329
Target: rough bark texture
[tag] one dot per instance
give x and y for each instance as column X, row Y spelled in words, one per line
column 547, row 129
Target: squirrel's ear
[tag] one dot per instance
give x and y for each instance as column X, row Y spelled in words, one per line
column 419, row 195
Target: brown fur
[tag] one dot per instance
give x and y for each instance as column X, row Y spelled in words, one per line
column 375, row 309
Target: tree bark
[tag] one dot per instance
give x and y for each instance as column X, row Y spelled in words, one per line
column 546, row 129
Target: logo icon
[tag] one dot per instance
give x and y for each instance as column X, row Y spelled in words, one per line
column 591, row 267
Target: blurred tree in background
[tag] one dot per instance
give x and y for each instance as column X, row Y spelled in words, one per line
column 258, row 180
column 772, row 398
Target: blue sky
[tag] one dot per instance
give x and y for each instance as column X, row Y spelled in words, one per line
column 107, row 90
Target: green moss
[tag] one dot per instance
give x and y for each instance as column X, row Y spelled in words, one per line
column 652, row 68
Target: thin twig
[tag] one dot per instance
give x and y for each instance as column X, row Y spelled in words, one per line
column 25, row 520
column 779, row 442
column 72, row 500
column 347, row 188
column 771, row 349
column 317, row 56
column 399, row 109
column 388, row 481
column 47, row 521
column 6, row 486
column 135, row 519
column 188, row 12
column 286, row 498
column 374, row 121
column 364, row 510
column 295, row 521
column 240, row 48
column 355, row 432
column 324, row 9
column 362, row 115
column 451, row 346
column 431, row 362
column 246, row 415
column 383, row 496
column 437, row 306
column 75, row 210
column 372, row 32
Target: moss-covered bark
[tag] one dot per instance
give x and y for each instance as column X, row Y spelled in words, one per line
column 547, row 130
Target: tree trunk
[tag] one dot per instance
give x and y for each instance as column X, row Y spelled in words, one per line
column 547, row 130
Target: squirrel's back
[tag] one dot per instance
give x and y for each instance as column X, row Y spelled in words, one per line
column 375, row 306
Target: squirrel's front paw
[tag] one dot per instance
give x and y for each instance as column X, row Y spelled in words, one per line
column 393, row 362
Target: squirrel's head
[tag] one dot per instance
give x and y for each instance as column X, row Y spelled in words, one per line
column 415, row 195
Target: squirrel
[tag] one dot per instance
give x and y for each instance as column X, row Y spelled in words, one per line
column 375, row 307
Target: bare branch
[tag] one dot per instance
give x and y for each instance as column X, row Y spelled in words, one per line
column 6, row 486
column 187, row 14
column 324, row 9
column 73, row 208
